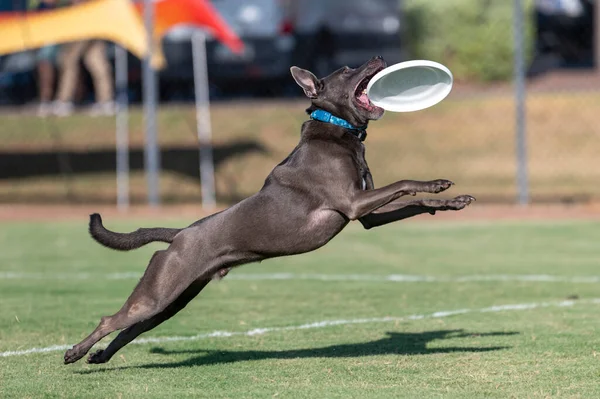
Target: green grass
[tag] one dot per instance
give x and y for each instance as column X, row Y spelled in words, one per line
column 542, row 352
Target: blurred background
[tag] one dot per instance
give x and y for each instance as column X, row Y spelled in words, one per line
column 520, row 126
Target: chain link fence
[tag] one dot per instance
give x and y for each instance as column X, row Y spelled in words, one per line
column 470, row 138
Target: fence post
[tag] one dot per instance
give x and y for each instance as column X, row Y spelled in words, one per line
column 520, row 97
column 207, row 172
column 151, row 151
column 122, row 127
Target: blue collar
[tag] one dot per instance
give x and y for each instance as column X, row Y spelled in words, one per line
column 324, row 116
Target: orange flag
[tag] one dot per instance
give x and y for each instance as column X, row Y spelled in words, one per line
column 169, row 13
column 113, row 20
column 118, row 21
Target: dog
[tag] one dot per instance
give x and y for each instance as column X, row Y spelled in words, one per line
column 305, row 201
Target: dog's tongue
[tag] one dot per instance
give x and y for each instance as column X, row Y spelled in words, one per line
column 363, row 98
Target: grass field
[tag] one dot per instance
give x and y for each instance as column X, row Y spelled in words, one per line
column 469, row 140
column 540, row 346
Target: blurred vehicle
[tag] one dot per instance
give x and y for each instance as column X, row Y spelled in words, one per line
column 320, row 35
column 17, row 78
column 335, row 33
column 267, row 34
column 565, row 34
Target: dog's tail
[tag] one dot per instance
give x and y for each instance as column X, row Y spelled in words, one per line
column 128, row 241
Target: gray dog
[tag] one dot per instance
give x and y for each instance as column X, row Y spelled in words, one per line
column 305, row 202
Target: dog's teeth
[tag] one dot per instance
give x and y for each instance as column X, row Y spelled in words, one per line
column 364, row 91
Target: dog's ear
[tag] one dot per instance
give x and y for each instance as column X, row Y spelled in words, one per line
column 307, row 81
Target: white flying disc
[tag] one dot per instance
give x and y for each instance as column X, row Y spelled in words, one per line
column 410, row 86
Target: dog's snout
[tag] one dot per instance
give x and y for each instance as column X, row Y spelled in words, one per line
column 377, row 60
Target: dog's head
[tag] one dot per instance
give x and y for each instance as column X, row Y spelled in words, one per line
column 343, row 93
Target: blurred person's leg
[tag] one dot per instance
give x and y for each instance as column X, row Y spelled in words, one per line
column 96, row 62
column 69, row 76
column 81, row 90
column 46, row 75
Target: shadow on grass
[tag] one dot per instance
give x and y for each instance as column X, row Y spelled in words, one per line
column 72, row 165
column 182, row 160
column 393, row 344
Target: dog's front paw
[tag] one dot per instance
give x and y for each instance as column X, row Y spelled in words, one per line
column 439, row 185
column 460, row 202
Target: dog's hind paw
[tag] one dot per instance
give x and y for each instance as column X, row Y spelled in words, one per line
column 73, row 355
column 97, row 357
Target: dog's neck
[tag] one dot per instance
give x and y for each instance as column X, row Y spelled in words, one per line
column 318, row 114
column 326, row 117
column 316, row 130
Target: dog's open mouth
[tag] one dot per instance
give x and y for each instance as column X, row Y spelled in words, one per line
column 360, row 93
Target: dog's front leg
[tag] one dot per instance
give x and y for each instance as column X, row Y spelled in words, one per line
column 397, row 210
column 362, row 203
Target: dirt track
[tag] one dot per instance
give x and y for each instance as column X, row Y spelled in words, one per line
column 193, row 212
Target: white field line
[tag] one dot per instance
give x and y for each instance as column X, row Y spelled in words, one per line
column 394, row 278
column 320, row 324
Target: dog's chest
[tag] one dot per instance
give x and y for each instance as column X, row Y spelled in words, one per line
column 363, row 169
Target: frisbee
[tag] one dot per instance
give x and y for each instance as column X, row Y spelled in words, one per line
column 410, row 86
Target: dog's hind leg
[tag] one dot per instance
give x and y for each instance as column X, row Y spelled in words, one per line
column 166, row 277
column 130, row 333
